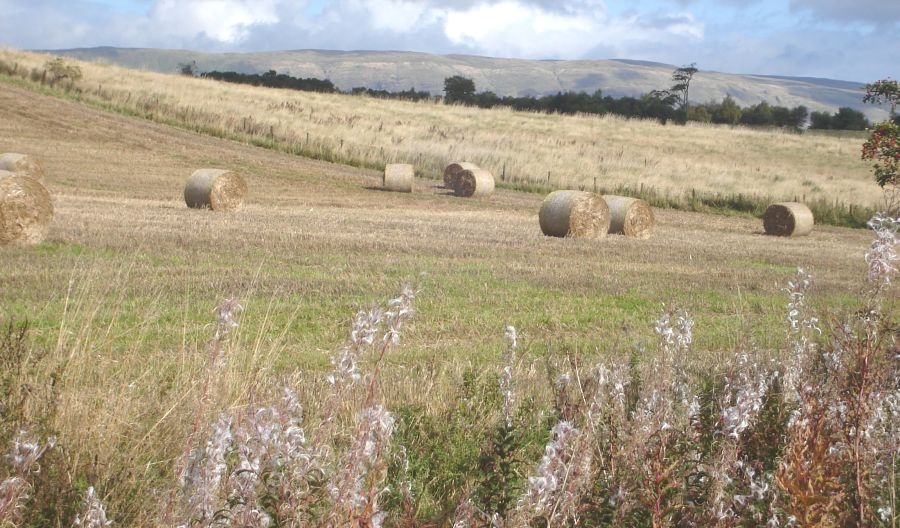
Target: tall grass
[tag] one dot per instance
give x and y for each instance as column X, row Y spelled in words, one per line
column 694, row 167
column 802, row 436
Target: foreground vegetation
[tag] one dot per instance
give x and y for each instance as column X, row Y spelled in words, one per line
column 802, row 436
column 696, row 167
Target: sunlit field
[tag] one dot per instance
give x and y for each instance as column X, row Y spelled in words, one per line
column 268, row 367
column 527, row 149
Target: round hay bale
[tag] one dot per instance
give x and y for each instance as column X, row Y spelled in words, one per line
column 399, row 177
column 629, row 216
column 452, row 170
column 22, row 164
column 216, row 189
column 577, row 214
column 25, row 209
column 788, row 219
column 473, row 182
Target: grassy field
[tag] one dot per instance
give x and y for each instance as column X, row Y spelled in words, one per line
column 671, row 164
column 119, row 298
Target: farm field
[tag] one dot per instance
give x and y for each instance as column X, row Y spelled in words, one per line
column 527, row 150
column 122, row 291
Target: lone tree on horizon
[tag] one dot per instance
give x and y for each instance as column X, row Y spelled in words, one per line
column 459, row 89
column 678, row 93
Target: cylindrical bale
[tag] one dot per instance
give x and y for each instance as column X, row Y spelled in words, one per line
column 577, row 214
column 473, row 182
column 22, row 164
column 631, row 217
column 788, row 219
column 25, row 209
column 451, row 171
column 399, row 177
column 216, row 189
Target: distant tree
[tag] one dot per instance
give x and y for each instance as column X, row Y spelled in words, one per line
column 727, row 113
column 699, row 113
column 682, row 78
column 758, row 115
column 883, row 145
column 799, row 116
column 847, row 118
column 459, row 89
column 678, row 94
column 188, row 69
column 59, row 70
column 820, row 121
column 486, row 99
column 884, row 91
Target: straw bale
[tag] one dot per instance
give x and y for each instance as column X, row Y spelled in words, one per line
column 216, row 189
column 473, row 182
column 576, row 214
column 22, row 164
column 399, row 177
column 788, row 219
column 630, row 216
column 451, row 171
column 25, row 209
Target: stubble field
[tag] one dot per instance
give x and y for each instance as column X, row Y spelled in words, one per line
column 122, row 290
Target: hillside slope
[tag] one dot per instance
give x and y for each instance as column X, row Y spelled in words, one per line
column 394, row 71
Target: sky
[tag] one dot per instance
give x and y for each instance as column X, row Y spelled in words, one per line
column 855, row 40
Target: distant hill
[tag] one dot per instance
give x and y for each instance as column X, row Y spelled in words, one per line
column 396, row 70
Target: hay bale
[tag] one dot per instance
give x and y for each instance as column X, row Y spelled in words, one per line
column 22, row 164
column 473, row 182
column 452, row 170
column 629, row 216
column 25, row 209
column 577, row 214
column 399, row 177
column 216, row 189
column 788, row 219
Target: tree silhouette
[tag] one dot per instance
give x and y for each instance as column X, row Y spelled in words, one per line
column 459, row 89
column 678, row 93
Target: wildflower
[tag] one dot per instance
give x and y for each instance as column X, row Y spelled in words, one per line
column 93, row 513
column 881, row 256
column 801, row 324
column 465, row 514
column 676, row 337
column 750, row 385
column 353, row 486
column 553, row 490
column 24, row 453
column 399, row 310
column 205, row 469
column 226, row 317
column 562, row 381
column 362, row 334
column 506, row 376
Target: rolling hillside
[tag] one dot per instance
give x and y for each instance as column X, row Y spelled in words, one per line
column 394, row 71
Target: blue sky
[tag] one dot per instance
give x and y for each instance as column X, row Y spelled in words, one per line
column 855, row 40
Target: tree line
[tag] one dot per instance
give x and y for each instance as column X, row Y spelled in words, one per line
column 664, row 106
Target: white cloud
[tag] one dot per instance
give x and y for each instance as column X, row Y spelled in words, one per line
column 227, row 21
column 519, row 29
column 787, row 37
column 397, row 16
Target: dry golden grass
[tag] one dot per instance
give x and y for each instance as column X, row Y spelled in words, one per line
column 123, row 289
column 576, row 152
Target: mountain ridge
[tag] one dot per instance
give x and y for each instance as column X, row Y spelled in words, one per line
column 402, row 70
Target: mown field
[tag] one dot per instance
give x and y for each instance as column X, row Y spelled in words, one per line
column 693, row 167
column 119, row 299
